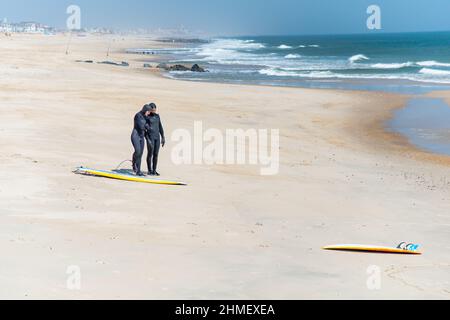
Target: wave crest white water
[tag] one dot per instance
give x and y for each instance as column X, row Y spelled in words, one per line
column 358, row 57
column 392, row 65
column 284, row 47
column 332, row 75
column 229, row 51
column 435, row 72
column 432, row 63
column 409, row 64
column 307, row 74
column 277, row 73
column 293, row 56
column 234, row 44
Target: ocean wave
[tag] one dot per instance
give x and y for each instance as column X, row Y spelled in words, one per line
column 293, row 56
column 432, row 63
column 221, row 46
column 284, row 73
column 435, row 72
column 309, row 46
column 358, row 57
column 162, row 50
column 182, row 72
column 392, row 65
column 230, row 51
column 235, row 44
column 284, row 47
column 273, row 72
column 227, row 56
column 424, row 76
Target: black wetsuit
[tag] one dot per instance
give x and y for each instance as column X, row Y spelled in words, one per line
column 138, row 140
column 154, row 134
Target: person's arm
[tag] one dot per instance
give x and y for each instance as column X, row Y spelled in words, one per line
column 140, row 123
column 161, row 132
column 147, row 126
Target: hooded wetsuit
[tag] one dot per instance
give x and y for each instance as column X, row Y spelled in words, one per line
column 138, row 139
column 153, row 136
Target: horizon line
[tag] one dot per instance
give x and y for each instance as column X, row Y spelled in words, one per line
column 334, row 34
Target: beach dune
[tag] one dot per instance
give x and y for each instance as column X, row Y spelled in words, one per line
column 232, row 233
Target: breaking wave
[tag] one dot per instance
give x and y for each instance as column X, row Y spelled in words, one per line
column 358, row 57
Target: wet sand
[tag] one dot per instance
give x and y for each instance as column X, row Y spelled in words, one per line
column 425, row 122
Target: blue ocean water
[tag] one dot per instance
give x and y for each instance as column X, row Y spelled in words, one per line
column 410, row 63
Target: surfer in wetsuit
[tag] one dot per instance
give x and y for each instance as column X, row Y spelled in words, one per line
column 155, row 139
column 138, row 138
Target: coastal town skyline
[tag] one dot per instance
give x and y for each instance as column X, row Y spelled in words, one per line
column 233, row 18
column 36, row 27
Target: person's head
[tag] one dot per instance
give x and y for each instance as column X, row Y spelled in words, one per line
column 153, row 108
column 146, row 110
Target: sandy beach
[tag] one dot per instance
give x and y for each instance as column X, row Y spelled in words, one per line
column 230, row 234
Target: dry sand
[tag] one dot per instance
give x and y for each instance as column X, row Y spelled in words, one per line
column 231, row 233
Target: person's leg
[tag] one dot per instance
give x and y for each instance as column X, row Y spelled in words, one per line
column 138, row 144
column 135, row 140
column 149, row 155
column 139, row 156
column 156, row 147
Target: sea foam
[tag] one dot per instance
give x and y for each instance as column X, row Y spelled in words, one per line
column 435, row 72
column 293, row 56
column 358, row 57
column 432, row 64
column 392, row 65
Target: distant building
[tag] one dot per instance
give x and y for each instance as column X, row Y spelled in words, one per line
column 25, row 27
column 32, row 27
column 5, row 27
column 100, row 31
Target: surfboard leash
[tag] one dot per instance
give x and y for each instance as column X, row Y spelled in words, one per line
column 120, row 165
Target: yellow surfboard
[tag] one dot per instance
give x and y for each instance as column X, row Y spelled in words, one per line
column 373, row 249
column 125, row 177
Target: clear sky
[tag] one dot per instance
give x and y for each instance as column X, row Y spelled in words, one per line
column 238, row 17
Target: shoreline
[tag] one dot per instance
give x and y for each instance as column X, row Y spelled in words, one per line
column 412, row 90
column 232, row 233
column 398, row 142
